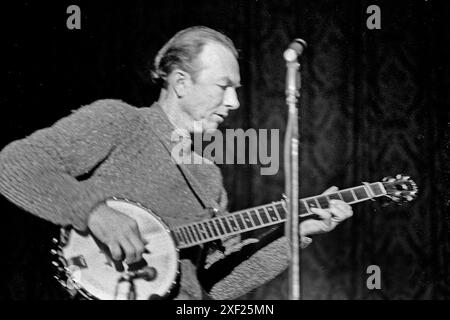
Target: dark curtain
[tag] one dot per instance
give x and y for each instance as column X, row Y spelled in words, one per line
column 374, row 103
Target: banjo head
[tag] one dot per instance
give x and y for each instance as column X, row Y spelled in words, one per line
column 91, row 271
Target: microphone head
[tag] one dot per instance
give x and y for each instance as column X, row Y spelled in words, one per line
column 298, row 45
column 294, row 50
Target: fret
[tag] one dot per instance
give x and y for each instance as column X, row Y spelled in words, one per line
column 181, row 235
column 196, row 232
column 201, row 231
column 263, row 215
column 206, row 227
column 311, row 203
column 248, row 219
column 205, row 234
column 274, row 208
column 281, row 212
column 267, row 213
column 185, row 235
column 232, row 223
column 347, row 196
column 220, row 226
column 353, row 193
column 317, row 202
column 360, row 193
column 272, row 214
column 323, row 202
column 226, row 225
column 303, row 208
column 258, row 218
column 213, row 228
column 240, row 221
column 178, row 238
column 185, row 238
column 335, row 196
column 376, row 188
column 194, row 236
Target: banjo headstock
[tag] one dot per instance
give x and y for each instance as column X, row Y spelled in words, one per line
column 400, row 188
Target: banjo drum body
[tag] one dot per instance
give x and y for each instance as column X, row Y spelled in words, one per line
column 89, row 269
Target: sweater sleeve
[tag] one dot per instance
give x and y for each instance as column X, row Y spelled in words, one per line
column 256, row 267
column 247, row 261
column 39, row 173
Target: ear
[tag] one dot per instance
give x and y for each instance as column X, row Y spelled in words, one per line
column 180, row 81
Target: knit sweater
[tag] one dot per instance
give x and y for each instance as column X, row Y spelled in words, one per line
column 109, row 148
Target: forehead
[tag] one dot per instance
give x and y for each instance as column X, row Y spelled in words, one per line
column 217, row 63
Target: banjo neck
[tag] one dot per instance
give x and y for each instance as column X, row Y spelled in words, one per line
column 208, row 230
column 82, row 265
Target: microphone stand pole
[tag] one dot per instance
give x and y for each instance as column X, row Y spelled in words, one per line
column 291, row 164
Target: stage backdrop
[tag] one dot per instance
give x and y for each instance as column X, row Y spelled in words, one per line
column 374, row 103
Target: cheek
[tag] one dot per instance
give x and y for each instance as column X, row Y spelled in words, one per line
column 206, row 102
column 215, row 99
column 209, row 103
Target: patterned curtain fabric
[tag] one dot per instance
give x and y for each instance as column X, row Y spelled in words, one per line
column 374, row 103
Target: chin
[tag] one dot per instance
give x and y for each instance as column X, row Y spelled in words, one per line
column 212, row 126
column 206, row 126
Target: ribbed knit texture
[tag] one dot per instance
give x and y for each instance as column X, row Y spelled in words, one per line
column 110, row 148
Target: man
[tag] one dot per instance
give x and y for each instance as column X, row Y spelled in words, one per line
column 65, row 173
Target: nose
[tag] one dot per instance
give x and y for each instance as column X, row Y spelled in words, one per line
column 231, row 99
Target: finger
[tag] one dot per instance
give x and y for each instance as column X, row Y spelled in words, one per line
column 324, row 215
column 136, row 241
column 116, row 252
column 341, row 209
column 341, row 205
column 331, row 190
column 311, row 227
column 346, row 209
column 134, row 228
column 128, row 249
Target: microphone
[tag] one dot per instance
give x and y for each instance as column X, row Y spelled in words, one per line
column 295, row 50
column 291, row 152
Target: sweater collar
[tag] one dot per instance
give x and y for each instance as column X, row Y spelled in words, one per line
column 163, row 127
column 160, row 125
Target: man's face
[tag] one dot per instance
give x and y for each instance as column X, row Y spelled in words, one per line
column 210, row 97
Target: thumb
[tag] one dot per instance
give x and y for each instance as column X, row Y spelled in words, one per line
column 331, row 190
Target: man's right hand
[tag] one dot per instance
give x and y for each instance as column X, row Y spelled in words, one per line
column 117, row 231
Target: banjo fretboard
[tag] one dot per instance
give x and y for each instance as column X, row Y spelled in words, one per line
column 266, row 215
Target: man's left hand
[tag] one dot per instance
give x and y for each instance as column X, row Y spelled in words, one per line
column 329, row 218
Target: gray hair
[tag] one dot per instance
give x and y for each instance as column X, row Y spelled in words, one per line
column 183, row 48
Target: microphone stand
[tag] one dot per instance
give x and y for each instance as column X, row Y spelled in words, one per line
column 291, row 164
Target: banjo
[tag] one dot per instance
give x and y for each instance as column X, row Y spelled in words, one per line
column 84, row 266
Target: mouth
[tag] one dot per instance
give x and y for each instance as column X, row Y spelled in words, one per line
column 220, row 117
